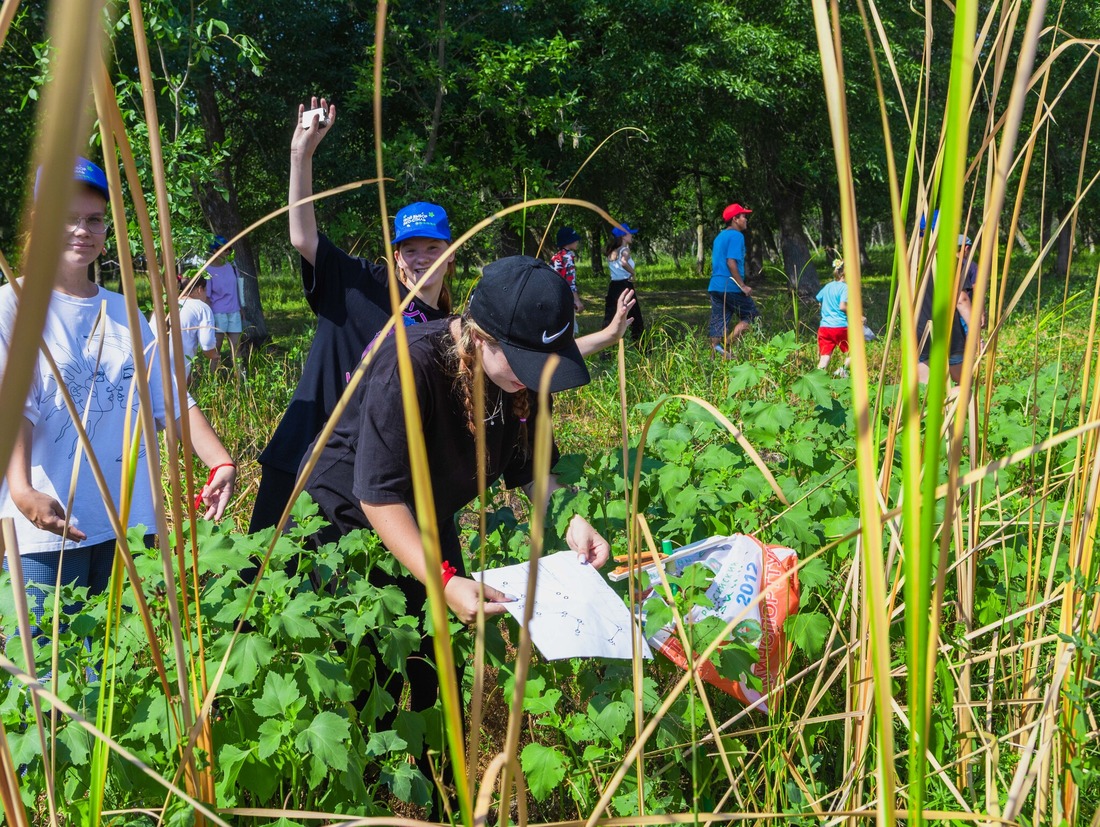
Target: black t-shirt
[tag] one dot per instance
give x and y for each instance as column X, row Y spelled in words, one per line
column 351, row 298
column 367, row 457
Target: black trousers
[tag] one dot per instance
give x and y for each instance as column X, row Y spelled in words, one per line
column 275, row 488
column 611, row 305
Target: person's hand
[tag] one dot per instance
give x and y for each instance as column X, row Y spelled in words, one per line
column 216, row 493
column 587, row 542
column 621, row 320
column 304, row 141
column 462, row 595
column 746, row 289
column 578, row 305
column 46, row 513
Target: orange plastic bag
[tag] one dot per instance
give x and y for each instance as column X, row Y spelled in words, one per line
column 743, row 569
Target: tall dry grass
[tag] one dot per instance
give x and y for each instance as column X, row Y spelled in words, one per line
column 889, row 630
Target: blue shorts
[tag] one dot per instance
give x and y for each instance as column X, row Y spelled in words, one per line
column 723, row 306
column 228, row 322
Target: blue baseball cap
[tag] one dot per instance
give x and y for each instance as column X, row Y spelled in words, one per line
column 218, row 242
column 86, row 173
column 619, row 233
column 567, row 235
column 935, row 218
column 421, row 220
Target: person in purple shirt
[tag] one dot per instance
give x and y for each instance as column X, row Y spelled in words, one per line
column 221, row 290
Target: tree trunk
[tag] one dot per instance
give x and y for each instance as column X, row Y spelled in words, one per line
column 828, row 237
column 1065, row 245
column 700, row 251
column 441, row 62
column 797, row 263
column 224, row 214
column 595, row 254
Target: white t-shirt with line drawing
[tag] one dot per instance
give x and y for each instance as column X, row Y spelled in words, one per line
column 90, row 341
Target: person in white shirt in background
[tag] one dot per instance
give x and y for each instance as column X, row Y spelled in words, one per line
column 197, row 327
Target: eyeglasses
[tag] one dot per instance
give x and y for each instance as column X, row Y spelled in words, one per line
column 95, row 224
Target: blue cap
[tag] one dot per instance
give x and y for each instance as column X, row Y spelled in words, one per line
column 935, row 218
column 567, row 235
column 625, row 229
column 218, row 242
column 421, row 220
column 88, row 173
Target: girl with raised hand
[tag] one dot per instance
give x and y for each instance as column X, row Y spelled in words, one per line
column 351, row 299
column 87, row 333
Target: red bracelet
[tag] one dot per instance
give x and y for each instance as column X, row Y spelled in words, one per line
column 449, row 571
column 210, row 479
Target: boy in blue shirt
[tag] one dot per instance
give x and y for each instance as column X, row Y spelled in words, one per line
column 833, row 330
column 728, row 292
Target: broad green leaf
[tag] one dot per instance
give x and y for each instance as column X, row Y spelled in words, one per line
column 544, row 768
column 813, row 575
column 280, row 692
column 808, row 631
column 612, row 720
column 272, row 732
column 407, row 782
column 814, row 385
column 543, row 703
column 398, row 643
column 743, row 376
column 325, row 678
column 294, row 621
column 324, row 738
column 386, row 741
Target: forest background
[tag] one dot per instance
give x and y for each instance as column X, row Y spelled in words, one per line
column 701, row 104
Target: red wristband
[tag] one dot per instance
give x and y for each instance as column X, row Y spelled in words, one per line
column 449, row 571
column 210, row 479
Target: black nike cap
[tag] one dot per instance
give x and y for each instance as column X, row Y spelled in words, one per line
column 527, row 307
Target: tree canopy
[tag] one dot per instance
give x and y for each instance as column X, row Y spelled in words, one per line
column 700, row 104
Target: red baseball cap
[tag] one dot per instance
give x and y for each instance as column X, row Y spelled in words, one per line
column 732, row 211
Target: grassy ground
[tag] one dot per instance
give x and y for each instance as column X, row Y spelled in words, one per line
column 677, row 358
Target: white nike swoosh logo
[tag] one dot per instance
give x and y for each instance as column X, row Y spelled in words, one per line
column 548, row 339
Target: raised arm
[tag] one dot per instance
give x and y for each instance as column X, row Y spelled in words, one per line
column 595, row 342
column 303, row 143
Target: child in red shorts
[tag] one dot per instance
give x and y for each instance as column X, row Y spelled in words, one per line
column 833, row 331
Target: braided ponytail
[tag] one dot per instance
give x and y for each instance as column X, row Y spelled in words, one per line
column 521, row 410
column 464, row 363
column 462, row 360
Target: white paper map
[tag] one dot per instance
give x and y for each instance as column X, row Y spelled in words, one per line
column 577, row 614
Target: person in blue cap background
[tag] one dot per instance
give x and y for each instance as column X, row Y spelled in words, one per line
column 621, row 267
column 88, row 335
column 960, row 319
column 224, row 297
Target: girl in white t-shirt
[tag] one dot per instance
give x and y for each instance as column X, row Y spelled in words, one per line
column 621, row 265
column 87, row 333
